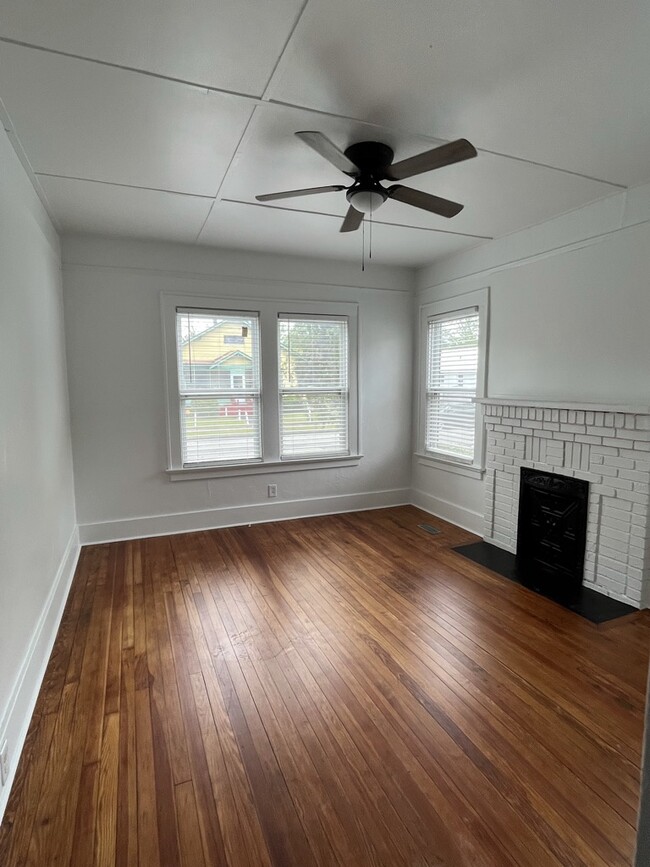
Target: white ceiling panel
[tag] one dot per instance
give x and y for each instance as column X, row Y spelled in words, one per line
column 104, row 209
column 257, row 227
column 565, row 84
column 232, row 44
column 500, row 195
column 82, row 120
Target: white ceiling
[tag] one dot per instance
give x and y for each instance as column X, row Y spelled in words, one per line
column 162, row 119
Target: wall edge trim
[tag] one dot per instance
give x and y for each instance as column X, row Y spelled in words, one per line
column 20, row 707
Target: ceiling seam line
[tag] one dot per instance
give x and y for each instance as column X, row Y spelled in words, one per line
column 261, row 101
column 134, row 69
column 269, row 81
column 225, row 174
column 127, row 186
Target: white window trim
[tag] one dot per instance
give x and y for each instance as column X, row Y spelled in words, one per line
column 479, row 300
column 269, row 312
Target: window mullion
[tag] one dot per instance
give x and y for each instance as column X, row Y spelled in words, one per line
column 270, row 386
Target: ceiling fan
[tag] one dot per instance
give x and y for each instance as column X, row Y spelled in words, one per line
column 371, row 162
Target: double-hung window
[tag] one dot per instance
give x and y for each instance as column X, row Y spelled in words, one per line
column 453, row 372
column 218, row 356
column 261, row 384
column 314, row 389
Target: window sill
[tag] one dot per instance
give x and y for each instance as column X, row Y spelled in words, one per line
column 439, row 463
column 181, row 474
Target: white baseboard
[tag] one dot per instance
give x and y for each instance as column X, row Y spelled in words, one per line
column 455, row 514
column 18, row 712
column 233, row 516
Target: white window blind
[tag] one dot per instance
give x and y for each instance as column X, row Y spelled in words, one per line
column 451, row 382
column 314, row 385
column 218, row 358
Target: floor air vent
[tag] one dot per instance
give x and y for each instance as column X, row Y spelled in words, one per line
column 429, row 528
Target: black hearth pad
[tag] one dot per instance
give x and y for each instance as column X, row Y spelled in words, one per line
column 591, row 605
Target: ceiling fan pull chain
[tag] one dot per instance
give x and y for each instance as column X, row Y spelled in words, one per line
column 363, row 245
column 370, row 235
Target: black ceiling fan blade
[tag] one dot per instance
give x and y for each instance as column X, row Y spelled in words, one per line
column 445, row 155
column 353, row 219
column 434, row 204
column 327, row 149
column 291, row 194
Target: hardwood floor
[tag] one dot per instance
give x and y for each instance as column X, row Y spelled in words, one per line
column 343, row 691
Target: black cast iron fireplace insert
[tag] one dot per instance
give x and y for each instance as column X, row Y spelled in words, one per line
column 551, row 532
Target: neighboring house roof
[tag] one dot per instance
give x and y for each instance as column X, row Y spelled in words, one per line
column 230, row 356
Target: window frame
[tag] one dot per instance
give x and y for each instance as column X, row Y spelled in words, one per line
column 269, row 312
column 458, row 304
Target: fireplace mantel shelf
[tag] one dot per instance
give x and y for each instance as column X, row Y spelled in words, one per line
column 632, row 408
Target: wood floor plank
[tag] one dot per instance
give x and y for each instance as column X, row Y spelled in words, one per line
column 106, row 824
column 126, row 844
column 147, row 801
column 188, row 826
column 85, row 817
column 342, row 690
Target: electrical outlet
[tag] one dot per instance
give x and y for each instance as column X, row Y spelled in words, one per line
column 273, row 490
column 4, row 762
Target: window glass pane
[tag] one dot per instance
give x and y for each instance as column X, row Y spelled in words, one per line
column 313, row 353
column 218, row 371
column 313, row 424
column 450, row 425
column 220, row 429
column 451, row 381
column 217, row 351
column 313, row 363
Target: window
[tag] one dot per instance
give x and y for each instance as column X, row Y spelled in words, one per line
column 219, row 418
column 272, row 385
column 313, row 359
column 453, row 378
column 452, row 364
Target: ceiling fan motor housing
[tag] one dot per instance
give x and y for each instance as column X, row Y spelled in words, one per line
column 372, row 159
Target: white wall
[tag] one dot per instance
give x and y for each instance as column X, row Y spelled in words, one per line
column 569, row 320
column 38, row 545
column 115, row 358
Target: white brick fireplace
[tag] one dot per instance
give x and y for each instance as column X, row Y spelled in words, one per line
column 608, row 446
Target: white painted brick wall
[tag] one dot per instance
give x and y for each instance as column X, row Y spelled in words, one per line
column 610, row 450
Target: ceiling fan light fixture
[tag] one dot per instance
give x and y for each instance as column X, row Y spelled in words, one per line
column 366, row 201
